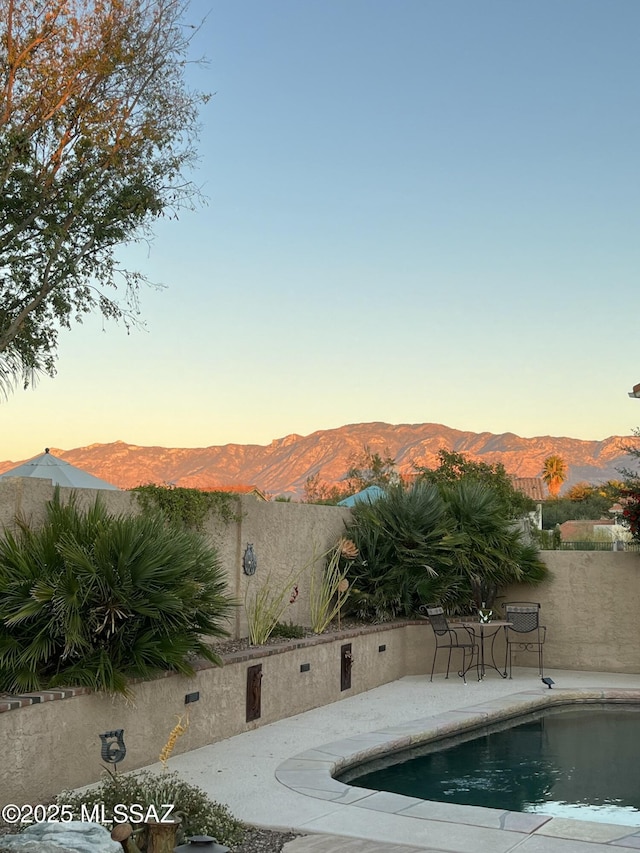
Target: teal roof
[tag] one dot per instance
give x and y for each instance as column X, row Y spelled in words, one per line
column 370, row 494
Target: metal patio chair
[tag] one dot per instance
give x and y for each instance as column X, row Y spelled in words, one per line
column 525, row 632
column 447, row 638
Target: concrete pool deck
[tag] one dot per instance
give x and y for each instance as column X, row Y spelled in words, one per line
column 279, row 776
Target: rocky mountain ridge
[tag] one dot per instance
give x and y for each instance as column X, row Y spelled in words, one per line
column 282, row 467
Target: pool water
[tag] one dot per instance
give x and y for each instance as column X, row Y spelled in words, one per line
column 577, row 762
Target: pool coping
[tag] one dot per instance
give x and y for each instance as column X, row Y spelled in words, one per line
column 313, row 771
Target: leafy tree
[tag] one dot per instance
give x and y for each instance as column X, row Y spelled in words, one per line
column 631, row 512
column 97, row 131
column 92, row 599
column 580, row 492
column 630, row 493
column 317, row 491
column 559, row 510
column 366, row 469
column 582, row 501
column 371, row 469
column 554, row 473
column 454, row 467
column 632, row 475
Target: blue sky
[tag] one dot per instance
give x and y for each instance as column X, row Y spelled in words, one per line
column 418, row 211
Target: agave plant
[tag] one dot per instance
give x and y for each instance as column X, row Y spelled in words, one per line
column 94, row 599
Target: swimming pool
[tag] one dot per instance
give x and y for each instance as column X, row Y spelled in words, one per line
column 577, row 762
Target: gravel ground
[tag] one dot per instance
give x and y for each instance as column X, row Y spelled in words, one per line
column 255, row 841
column 264, row 841
column 223, row 647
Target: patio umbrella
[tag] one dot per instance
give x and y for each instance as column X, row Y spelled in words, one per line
column 61, row 473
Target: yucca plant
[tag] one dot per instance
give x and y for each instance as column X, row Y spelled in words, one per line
column 329, row 587
column 93, row 599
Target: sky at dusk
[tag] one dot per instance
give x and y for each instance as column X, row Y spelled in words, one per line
column 417, row 211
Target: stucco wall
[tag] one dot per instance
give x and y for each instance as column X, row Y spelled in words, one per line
column 590, row 606
column 55, row 745
column 285, row 537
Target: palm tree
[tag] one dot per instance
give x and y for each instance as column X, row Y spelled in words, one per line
column 554, row 473
column 94, row 600
column 492, row 553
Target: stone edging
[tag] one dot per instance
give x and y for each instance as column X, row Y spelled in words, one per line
column 312, row 772
column 24, row 700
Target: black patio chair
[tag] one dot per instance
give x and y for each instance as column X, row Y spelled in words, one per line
column 447, row 638
column 525, row 632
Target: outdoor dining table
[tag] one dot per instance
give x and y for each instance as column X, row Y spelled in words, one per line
column 484, row 631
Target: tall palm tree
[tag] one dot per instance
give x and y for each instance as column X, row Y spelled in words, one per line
column 554, row 473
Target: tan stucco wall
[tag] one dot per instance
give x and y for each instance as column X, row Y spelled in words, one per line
column 285, row 537
column 55, row 745
column 590, row 606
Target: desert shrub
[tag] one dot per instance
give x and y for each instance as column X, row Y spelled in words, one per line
column 199, row 815
column 287, row 630
column 329, row 588
column 93, row 599
column 183, row 507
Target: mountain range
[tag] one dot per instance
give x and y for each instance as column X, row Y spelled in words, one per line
column 282, row 467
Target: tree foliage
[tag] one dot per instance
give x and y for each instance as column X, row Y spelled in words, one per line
column 632, row 475
column 98, row 129
column 559, row 510
column 367, row 468
column 631, row 491
column 554, row 473
column 456, row 467
column 317, row 491
column 582, row 501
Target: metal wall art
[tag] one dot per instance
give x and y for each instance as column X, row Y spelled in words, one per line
column 249, row 561
column 113, row 749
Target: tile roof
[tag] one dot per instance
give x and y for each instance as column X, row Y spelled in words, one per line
column 532, row 487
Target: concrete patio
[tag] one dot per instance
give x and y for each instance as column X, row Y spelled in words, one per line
column 278, row 776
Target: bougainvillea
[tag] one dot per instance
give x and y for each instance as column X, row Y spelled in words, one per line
column 631, row 511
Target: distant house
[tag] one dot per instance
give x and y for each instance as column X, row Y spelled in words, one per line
column 584, row 530
column 534, row 488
